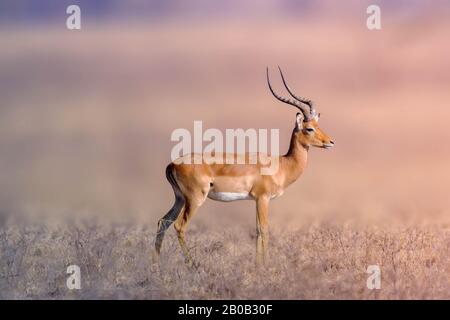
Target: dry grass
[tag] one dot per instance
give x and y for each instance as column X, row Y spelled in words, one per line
column 315, row 262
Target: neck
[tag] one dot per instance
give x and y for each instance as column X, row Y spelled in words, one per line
column 295, row 159
column 296, row 148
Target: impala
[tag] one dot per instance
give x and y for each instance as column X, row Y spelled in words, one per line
column 193, row 183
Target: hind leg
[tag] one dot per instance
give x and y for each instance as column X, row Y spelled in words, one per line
column 181, row 224
column 165, row 222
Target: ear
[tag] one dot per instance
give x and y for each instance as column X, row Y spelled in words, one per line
column 317, row 117
column 299, row 121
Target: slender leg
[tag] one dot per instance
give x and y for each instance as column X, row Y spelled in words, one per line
column 262, row 230
column 173, row 213
column 165, row 222
column 181, row 225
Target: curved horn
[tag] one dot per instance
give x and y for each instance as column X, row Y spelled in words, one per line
column 302, row 100
column 305, row 112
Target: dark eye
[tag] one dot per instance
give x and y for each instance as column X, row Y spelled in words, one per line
column 310, row 129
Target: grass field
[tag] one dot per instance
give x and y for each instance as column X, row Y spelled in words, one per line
column 315, row 262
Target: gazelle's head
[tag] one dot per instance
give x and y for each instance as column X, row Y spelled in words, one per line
column 307, row 129
column 308, row 133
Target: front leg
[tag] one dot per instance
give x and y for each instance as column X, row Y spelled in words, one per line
column 262, row 229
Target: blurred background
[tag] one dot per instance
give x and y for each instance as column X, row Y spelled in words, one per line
column 86, row 115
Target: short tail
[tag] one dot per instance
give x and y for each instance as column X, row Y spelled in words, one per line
column 179, row 197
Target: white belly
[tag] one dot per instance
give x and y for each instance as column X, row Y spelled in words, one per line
column 229, row 196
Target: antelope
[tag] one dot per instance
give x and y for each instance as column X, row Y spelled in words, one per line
column 192, row 183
